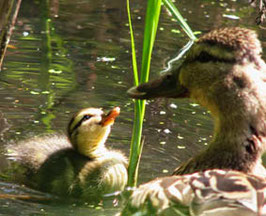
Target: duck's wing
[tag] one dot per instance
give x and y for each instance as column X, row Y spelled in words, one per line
column 213, row 192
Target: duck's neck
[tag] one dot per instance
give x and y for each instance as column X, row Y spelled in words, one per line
column 96, row 152
column 94, row 146
column 240, row 138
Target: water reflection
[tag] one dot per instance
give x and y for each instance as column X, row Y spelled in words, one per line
column 79, row 56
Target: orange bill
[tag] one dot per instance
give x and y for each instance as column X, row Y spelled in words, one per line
column 11, row 46
column 110, row 117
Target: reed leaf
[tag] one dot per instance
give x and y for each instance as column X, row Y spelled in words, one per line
column 151, row 24
column 174, row 11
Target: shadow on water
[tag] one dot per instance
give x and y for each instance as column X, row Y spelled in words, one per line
column 19, row 200
column 74, row 54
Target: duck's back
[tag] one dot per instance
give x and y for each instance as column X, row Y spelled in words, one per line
column 34, row 151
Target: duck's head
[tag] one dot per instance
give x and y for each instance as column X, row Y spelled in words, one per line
column 89, row 128
column 223, row 71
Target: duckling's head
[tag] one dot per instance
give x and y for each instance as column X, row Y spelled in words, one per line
column 89, row 128
column 223, row 71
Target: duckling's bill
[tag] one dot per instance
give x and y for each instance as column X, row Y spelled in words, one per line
column 167, row 85
column 110, row 117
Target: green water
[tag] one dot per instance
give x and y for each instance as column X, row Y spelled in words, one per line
column 69, row 55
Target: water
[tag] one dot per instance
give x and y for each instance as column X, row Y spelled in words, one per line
column 85, row 47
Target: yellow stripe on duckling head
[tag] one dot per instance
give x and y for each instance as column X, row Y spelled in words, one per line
column 89, row 129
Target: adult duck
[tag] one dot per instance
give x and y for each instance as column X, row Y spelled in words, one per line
column 225, row 73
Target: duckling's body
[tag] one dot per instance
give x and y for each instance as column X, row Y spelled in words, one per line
column 224, row 72
column 80, row 165
column 68, row 172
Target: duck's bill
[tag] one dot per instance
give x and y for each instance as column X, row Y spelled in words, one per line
column 165, row 86
column 110, row 117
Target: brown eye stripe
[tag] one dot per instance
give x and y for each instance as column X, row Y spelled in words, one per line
column 206, row 57
column 84, row 118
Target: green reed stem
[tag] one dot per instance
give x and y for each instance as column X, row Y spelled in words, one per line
column 151, row 24
column 133, row 50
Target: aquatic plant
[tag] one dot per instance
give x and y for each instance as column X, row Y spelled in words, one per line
column 151, row 23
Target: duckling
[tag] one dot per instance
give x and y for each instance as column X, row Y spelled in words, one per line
column 225, row 73
column 78, row 165
column 211, row 192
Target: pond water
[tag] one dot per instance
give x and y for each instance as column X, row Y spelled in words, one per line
column 74, row 54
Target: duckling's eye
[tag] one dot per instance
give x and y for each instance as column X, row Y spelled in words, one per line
column 86, row 117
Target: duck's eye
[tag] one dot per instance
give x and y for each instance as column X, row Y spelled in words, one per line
column 206, row 57
column 72, row 126
column 86, row 117
column 168, row 77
